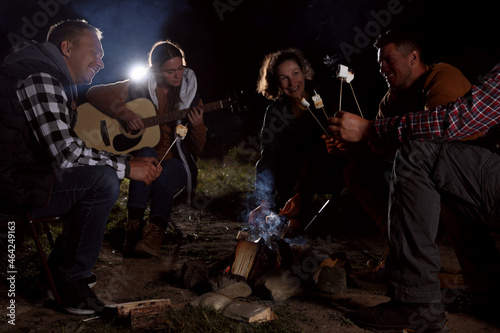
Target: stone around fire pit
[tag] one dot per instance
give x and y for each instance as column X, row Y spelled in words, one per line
column 331, row 275
column 239, row 310
column 194, row 276
column 239, row 289
column 331, row 280
column 279, row 285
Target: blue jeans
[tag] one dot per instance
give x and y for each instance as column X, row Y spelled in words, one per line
column 160, row 193
column 460, row 182
column 86, row 196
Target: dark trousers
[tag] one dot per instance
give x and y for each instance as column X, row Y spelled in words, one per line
column 463, row 181
column 367, row 178
column 86, row 196
column 160, row 193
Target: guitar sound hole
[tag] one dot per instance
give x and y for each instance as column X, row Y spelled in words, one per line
column 134, row 132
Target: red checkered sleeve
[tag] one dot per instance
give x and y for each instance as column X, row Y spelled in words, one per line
column 474, row 113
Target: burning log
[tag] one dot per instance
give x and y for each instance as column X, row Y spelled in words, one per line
column 251, row 259
column 245, row 257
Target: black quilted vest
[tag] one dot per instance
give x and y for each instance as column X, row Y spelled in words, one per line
column 26, row 172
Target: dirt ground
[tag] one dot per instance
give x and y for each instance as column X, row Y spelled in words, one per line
column 209, row 237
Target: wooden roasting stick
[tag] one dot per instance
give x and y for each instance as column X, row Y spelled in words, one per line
column 346, row 74
column 180, row 132
column 340, row 98
column 306, row 104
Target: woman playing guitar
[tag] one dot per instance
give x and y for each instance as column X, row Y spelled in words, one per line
column 170, row 86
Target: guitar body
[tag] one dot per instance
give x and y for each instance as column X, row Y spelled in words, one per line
column 102, row 132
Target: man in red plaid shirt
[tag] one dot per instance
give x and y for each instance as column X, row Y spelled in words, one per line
column 435, row 174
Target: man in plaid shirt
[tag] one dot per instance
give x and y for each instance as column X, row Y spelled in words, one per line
column 435, row 174
column 46, row 168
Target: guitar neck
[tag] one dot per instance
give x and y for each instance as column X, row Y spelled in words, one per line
column 179, row 114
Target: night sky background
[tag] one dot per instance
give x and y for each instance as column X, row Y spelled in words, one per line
column 226, row 40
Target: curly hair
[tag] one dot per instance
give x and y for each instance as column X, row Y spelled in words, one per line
column 268, row 83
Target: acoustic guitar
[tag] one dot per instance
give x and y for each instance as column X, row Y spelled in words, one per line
column 103, row 132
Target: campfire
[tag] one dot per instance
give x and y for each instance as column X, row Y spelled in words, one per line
column 278, row 268
column 261, row 249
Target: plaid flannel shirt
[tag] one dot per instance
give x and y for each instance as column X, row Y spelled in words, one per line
column 476, row 112
column 44, row 102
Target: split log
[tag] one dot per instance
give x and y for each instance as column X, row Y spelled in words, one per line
column 252, row 259
column 138, row 314
column 244, row 260
column 239, row 310
column 330, row 277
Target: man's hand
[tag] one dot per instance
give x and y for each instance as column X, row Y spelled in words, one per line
column 145, row 169
column 350, row 127
column 337, row 147
column 292, row 206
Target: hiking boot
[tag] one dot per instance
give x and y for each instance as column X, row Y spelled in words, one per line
column 396, row 316
column 79, row 299
column 133, row 233
column 151, row 241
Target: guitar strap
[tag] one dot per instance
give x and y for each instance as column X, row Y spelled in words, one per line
column 188, row 92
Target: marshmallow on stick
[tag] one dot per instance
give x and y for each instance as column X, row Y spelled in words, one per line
column 305, row 104
column 345, row 73
column 181, row 131
column 318, row 103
